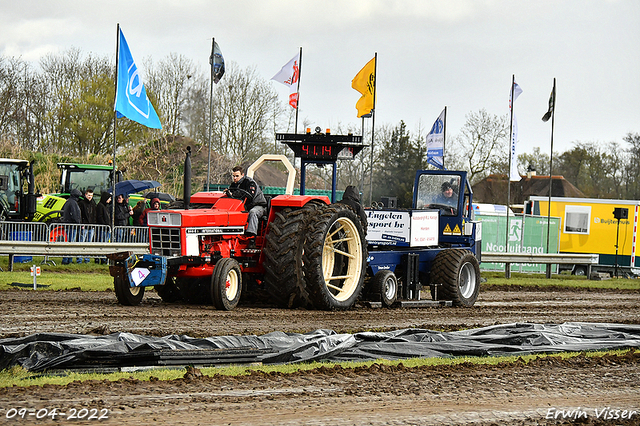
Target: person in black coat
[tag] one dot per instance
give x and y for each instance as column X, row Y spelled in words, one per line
column 103, row 218
column 71, row 214
column 88, row 210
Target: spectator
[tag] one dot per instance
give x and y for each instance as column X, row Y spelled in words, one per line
column 155, row 205
column 88, row 211
column 103, row 218
column 122, row 214
column 137, row 212
column 71, row 214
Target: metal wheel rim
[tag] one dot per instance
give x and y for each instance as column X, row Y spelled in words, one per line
column 231, row 285
column 390, row 288
column 134, row 290
column 343, row 232
column 467, row 280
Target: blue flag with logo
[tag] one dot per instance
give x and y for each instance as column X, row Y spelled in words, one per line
column 131, row 98
column 435, row 142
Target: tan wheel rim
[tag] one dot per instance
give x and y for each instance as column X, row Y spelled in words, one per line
column 342, row 240
column 231, row 285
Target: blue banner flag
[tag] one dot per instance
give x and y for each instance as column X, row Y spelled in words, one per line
column 131, row 98
column 435, row 142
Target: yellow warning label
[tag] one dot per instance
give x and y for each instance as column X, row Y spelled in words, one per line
column 447, row 229
column 457, row 231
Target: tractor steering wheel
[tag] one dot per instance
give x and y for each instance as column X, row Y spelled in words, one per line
column 238, row 193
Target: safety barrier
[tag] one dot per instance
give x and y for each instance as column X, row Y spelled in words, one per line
column 70, row 232
column 69, row 240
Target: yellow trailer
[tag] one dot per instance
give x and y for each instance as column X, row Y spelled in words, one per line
column 595, row 226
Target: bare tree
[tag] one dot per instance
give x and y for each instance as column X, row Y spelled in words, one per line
column 244, row 107
column 482, row 146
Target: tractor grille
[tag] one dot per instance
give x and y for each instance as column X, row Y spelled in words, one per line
column 165, row 241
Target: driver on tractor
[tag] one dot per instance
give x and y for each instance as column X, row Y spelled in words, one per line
column 245, row 188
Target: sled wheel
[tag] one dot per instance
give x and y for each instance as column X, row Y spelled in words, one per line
column 334, row 258
column 459, row 273
column 385, row 284
column 226, row 284
column 284, row 277
column 169, row 292
column 127, row 295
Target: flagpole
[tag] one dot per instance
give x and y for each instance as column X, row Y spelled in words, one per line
column 115, row 128
column 298, row 90
column 213, row 43
column 507, row 271
column 373, row 122
column 553, row 116
column 444, row 135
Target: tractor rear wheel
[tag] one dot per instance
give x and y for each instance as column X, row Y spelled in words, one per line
column 127, row 295
column 284, row 277
column 226, row 284
column 458, row 271
column 334, row 258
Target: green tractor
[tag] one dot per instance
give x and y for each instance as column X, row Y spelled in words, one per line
column 75, row 176
column 82, row 177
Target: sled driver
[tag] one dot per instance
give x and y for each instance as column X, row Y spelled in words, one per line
column 245, row 188
column 448, row 198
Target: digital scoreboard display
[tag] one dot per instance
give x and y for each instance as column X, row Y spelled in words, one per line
column 321, row 146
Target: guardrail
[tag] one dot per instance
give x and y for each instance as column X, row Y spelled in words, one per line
column 541, row 258
column 69, row 240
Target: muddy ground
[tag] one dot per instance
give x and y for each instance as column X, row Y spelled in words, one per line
column 541, row 392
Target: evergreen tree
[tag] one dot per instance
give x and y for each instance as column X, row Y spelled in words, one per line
column 400, row 158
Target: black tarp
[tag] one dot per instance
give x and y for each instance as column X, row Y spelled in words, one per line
column 58, row 351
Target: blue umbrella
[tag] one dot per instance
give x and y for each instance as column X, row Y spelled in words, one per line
column 131, row 186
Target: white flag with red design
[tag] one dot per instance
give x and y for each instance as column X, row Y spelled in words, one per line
column 289, row 75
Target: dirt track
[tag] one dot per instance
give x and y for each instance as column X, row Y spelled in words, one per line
column 511, row 394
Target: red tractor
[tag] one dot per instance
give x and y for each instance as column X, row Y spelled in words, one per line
column 308, row 252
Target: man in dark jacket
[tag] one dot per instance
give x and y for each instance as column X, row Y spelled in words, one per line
column 71, row 214
column 351, row 198
column 103, row 218
column 88, row 210
column 245, row 188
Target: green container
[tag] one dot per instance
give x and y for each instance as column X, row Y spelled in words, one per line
column 526, row 235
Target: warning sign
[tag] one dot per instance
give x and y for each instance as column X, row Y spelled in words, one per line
column 456, row 230
column 447, row 230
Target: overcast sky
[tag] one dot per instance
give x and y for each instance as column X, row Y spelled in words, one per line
column 455, row 53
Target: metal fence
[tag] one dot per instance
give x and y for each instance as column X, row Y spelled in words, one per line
column 21, row 240
column 71, row 233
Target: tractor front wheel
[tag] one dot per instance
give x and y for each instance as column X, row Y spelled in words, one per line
column 226, row 284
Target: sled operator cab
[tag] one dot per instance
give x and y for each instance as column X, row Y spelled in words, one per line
column 448, row 192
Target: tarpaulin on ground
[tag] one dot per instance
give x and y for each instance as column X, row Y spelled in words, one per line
column 45, row 351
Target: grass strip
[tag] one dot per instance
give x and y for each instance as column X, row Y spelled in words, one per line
column 18, row 376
